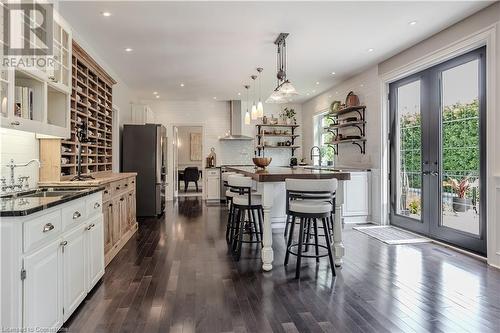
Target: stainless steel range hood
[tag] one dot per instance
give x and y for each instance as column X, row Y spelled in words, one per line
column 236, row 122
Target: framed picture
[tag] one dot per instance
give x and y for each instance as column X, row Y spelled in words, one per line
column 195, row 146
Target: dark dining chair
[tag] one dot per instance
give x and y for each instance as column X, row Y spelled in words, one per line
column 191, row 174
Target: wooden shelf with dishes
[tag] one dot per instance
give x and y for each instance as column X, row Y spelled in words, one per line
column 276, row 131
column 91, row 102
column 356, row 121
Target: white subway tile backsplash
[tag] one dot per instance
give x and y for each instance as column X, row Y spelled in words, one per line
column 22, row 147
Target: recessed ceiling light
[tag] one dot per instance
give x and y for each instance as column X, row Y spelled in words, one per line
column 107, row 14
column 361, row 85
column 317, row 82
column 155, row 93
column 333, row 73
column 329, row 96
column 182, row 84
column 370, row 50
column 412, row 23
column 307, row 94
column 157, row 96
column 128, row 49
column 215, row 97
column 314, row 91
column 239, row 94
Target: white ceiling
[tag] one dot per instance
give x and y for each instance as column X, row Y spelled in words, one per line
column 214, row 47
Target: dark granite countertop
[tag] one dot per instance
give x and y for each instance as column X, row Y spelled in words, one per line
column 27, row 204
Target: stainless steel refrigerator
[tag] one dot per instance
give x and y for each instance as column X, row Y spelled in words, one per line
column 144, row 150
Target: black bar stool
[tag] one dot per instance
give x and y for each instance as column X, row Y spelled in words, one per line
column 245, row 204
column 310, row 201
column 229, row 200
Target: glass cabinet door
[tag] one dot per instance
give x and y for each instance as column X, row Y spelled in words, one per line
column 62, row 70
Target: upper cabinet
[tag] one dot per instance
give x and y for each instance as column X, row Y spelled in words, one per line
column 37, row 99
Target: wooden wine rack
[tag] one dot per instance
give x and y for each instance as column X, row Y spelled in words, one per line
column 91, row 102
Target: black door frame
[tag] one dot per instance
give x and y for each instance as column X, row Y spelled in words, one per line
column 430, row 98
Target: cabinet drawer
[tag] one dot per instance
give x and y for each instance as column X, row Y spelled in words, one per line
column 118, row 187
column 42, row 230
column 74, row 214
column 94, row 204
column 131, row 182
column 106, row 194
column 212, row 173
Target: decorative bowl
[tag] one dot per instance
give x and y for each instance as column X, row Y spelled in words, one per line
column 262, row 162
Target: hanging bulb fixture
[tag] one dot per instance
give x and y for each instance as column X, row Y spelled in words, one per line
column 254, row 107
column 260, row 106
column 247, row 114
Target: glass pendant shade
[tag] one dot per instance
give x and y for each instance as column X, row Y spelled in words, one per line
column 247, row 118
column 275, row 98
column 260, row 110
column 287, row 89
column 254, row 112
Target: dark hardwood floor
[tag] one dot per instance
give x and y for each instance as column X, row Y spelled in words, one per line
column 175, row 275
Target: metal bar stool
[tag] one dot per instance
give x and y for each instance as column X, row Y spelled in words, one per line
column 229, row 199
column 245, row 204
column 310, row 201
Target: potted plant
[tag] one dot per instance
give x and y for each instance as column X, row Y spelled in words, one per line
column 288, row 116
column 460, row 188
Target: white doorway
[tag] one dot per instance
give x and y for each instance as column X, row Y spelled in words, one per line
column 188, row 160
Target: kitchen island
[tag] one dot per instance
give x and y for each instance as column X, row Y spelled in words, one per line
column 267, row 179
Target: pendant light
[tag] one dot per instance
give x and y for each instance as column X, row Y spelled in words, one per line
column 254, row 107
column 247, row 114
column 284, row 89
column 260, row 106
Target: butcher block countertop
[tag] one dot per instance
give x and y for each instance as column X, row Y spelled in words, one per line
column 100, row 179
column 279, row 174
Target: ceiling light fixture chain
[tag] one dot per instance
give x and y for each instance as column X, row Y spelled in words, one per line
column 284, row 88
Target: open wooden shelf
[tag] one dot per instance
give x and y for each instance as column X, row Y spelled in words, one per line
column 261, row 136
column 91, row 102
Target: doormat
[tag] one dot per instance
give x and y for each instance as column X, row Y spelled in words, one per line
column 391, row 235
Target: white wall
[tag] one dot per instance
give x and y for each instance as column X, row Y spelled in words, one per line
column 22, row 147
column 366, row 85
column 454, row 38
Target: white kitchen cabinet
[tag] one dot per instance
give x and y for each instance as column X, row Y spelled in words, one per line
column 212, row 184
column 42, row 290
column 141, row 114
column 357, row 198
column 48, row 89
column 46, row 279
column 95, row 246
column 75, row 285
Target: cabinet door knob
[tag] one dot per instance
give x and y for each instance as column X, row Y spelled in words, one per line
column 63, row 243
column 48, row 227
column 97, row 205
column 76, row 215
column 121, row 199
column 106, row 192
column 90, row 226
column 15, row 123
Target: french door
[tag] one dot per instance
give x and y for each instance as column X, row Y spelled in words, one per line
column 438, row 152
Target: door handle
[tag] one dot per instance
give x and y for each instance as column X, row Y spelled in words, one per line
column 90, row 226
column 434, row 173
column 425, row 173
column 97, row 205
column 63, row 243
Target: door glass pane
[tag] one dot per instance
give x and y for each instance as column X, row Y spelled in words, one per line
column 460, row 139
column 409, row 151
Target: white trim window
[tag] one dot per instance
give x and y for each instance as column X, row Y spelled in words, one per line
column 321, row 139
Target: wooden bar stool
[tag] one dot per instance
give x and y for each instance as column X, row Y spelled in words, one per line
column 310, row 201
column 245, row 204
